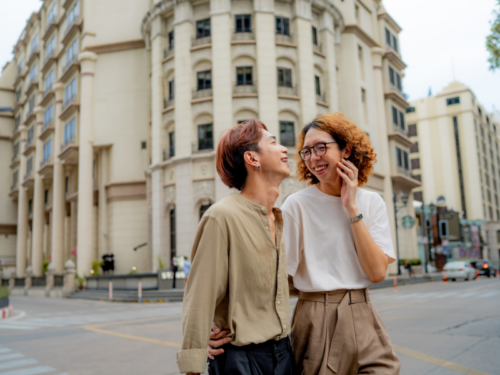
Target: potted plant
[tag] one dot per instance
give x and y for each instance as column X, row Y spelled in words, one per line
column 4, row 296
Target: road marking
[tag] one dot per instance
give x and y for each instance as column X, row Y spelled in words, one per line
column 22, row 362
column 445, row 295
column 407, row 295
column 437, row 316
column 426, row 295
column 437, row 361
column 30, row 371
column 467, row 295
column 6, row 357
column 145, row 339
column 490, row 294
column 5, row 350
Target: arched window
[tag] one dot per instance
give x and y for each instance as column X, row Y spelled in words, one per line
column 173, row 240
column 203, row 209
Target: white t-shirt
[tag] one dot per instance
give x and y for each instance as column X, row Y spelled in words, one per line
column 319, row 243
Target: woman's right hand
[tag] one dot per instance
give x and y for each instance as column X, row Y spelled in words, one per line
column 217, row 339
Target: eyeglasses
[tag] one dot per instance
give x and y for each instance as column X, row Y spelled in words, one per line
column 319, row 150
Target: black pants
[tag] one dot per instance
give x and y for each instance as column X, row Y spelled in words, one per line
column 269, row 358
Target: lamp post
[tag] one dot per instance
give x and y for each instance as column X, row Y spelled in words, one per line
column 404, row 199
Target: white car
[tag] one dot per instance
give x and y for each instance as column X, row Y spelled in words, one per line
column 459, row 270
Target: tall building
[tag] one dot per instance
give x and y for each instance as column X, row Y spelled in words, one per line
column 456, row 155
column 118, row 113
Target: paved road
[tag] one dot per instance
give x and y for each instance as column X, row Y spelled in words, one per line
column 436, row 328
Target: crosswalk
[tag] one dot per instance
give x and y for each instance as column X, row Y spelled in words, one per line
column 12, row 363
column 67, row 319
column 459, row 294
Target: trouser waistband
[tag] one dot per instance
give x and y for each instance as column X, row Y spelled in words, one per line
column 271, row 346
column 336, row 296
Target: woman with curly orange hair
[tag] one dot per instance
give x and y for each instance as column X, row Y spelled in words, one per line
column 338, row 240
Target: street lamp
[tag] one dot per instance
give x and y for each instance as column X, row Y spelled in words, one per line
column 404, row 199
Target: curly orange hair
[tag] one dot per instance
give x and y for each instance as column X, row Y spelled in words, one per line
column 344, row 132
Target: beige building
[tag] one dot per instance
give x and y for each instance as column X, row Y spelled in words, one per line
column 456, row 155
column 115, row 125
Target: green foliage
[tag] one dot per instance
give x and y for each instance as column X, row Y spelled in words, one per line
column 161, row 264
column 4, row 292
column 45, row 266
column 493, row 40
column 413, row 262
column 96, row 265
column 80, row 280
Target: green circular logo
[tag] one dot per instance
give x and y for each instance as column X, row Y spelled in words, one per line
column 408, row 222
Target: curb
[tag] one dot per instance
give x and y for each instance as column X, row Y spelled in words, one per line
column 6, row 312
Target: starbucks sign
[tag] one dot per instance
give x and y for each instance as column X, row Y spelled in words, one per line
column 408, row 222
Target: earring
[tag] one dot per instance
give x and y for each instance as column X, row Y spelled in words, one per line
column 257, row 167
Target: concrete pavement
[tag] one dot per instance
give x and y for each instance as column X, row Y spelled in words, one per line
column 436, row 328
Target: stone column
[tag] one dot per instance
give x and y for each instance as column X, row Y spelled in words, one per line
column 327, row 34
column 305, row 62
column 103, row 205
column 58, row 188
column 223, row 75
column 38, row 201
column 383, row 150
column 85, row 242
column 22, row 210
column 158, row 43
column 267, row 75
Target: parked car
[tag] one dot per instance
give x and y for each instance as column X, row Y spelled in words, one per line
column 486, row 267
column 459, row 270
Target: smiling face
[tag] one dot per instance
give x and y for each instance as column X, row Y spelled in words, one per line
column 273, row 158
column 324, row 167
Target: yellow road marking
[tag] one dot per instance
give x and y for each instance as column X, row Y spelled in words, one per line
column 440, row 362
column 133, row 321
column 139, row 338
column 436, row 316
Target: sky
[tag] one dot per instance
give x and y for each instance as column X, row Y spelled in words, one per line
column 442, row 40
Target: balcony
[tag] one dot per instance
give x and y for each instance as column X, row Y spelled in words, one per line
column 321, row 98
column 284, row 40
column 168, row 154
column 69, row 152
column 49, row 29
column 168, row 104
column 404, row 179
column 48, row 61
column 34, row 55
column 243, row 38
column 71, row 67
column 30, row 146
column 14, row 161
column 14, row 189
column 20, row 76
column 71, row 30
column 47, row 129
column 202, row 94
column 167, row 53
column 69, row 107
column 318, row 49
column 288, row 92
column 242, row 91
column 198, row 43
column 46, row 168
column 32, row 86
column 29, row 180
column 48, row 94
column 400, row 135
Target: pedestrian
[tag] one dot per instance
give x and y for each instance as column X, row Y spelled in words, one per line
column 174, row 267
column 238, row 275
column 186, row 269
column 338, row 240
column 408, row 268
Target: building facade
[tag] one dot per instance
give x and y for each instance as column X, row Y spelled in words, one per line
column 457, row 158
column 116, row 115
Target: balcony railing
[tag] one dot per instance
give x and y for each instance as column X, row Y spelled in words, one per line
column 203, row 145
column 318, row 47
column 168, row 103
column 47, row 89
column 247, row 35
column 283, row 38
column 67, row 143
column 400, row 130
column 245, row 89
column 167, row 52
column 48, row 56
column 321, row 97
column 14, row 185
column 68, row 102
column 28, row 174
column 197, row 94
column 47, row 124
column 404, row 171
column 69, row 61
column 29, row 142
column 396, row 88
column 168, row 153
column 287, row 90
column 15, row 156
column 201, row 41
column 45, row 161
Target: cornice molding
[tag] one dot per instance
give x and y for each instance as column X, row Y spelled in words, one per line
column 116, row 47
column 390, row 21
column 355, row 29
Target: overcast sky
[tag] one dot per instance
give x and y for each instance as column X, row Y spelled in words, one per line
column 439, row 37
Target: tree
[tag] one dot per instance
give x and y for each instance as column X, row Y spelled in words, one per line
column 493, row 40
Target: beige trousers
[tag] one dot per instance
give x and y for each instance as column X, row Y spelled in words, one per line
column 340, row 332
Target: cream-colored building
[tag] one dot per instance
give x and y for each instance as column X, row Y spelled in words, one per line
column 456, row 154
column 120, row 106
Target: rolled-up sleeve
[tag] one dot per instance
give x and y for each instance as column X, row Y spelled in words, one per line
column 205, row 289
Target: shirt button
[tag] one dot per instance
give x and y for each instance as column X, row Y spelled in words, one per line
column 279, row 302
column 284, row 325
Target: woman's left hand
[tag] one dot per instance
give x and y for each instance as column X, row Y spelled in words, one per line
column 349, row 174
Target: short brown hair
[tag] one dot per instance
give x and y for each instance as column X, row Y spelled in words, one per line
column 232, row 146
column 344, row 132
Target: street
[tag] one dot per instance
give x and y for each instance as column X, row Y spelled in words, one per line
column 436, row 328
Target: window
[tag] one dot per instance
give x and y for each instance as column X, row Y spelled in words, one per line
column 243, row 23
column 72, row 14
column 203, row 209
column 387, row 36
column 70, row 91
column 46, row 196
column 414, row 147
column 394, row 116
column 205, row 137
column 48, row 115
column 30, row 135
column 66, row 184
column 18, row 94
column 72, row 52
column 487, row 179
column 52, row 14
column 171, row 40
column 204, row 80
column 203, row 28
column 395, row 43
column 417, row 177
column 410, row 109
column 391, row 76
column 315, row 36
column 47, row 150
column 406, row 165
column 415, row 163
column 29, row 166
column 418, row 196
column 31, row 103
column 398, row 82
column 15, row 178
column 399, row 156
column 318, row 85
column 69, row 131
column 244, row 76
column 171, row 144
column 171, row 90
column 51, row 47
column 356, row 12
column 412, row 130
column 33, row 72
column 173, row 239
column 16, row 150
column 479, row 112
column 488, row 120
column 361, row 64
column 49, row 80
column 452, row 101
column 17, row 121
column 284, row 77
column 287, row 133
column 34, row 43
column 402, row 120
column 20, row 66
column 282, row 26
